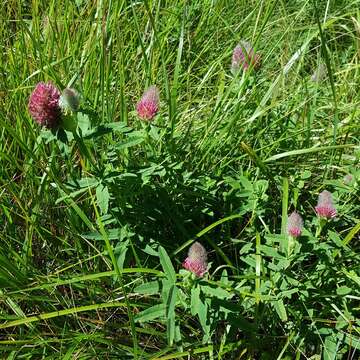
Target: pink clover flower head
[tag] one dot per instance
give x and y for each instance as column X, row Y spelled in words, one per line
column 295, row 224
column 148, row 106
column 244, row 56
column 325, row 206
column 196, row 261
column 44, row 105
column 69, row 100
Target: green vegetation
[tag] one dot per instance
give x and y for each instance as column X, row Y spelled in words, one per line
column 96, row 222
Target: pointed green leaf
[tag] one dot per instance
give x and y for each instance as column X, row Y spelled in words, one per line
column 170, row 314
column 167, row 265
column 149, row 288
column 280, row 309
column 195, row 298
column 103, row 197
column 152, row 313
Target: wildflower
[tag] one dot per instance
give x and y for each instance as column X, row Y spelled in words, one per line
column 348, row 179
column 196, row 261
column 319, row 74
column 148, row 106
column 295, row 224
column 69, row 100
column 325, row 206
column 244, row 56
column 44, row 105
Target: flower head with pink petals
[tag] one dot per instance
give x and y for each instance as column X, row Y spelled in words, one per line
column 44, row 105
column 244, row 56
column 295, row 224
column 325, row 207
column 148, row 106
column 196, row 261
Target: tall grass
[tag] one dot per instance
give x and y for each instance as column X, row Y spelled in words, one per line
column 94, row 229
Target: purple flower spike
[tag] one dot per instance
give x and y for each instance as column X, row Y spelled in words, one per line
column 148, row 106
column 196, row 262
column 295, row 224
column 44, row 105
column 244, row 56
column 325, row 206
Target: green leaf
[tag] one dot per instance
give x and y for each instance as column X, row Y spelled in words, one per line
column 119, row 126
column 167, row 265
column 246, row 248
column 84, row 123
column 108, row 128
column 152, row 313
column 120, row 252
column 215, row 291
column 195, row 298
column 170, row 314
column 280, row 309
column 343, row 290
column 306, row 174
column 307, row 151
column 336, row 240
column 103, row 197
column 203, row 318
column 352, row 276
column 112, row 234
column 352, row 340
column 133, row 141
column 330, row 348
column 285, row 204
column 64, row 312
column 352, row 233
column 85, row 184
column 177, row 333
column 271, row 251
column 149, row 288
column 166, row 285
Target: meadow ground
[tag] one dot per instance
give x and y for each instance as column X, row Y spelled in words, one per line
column 98, row 214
